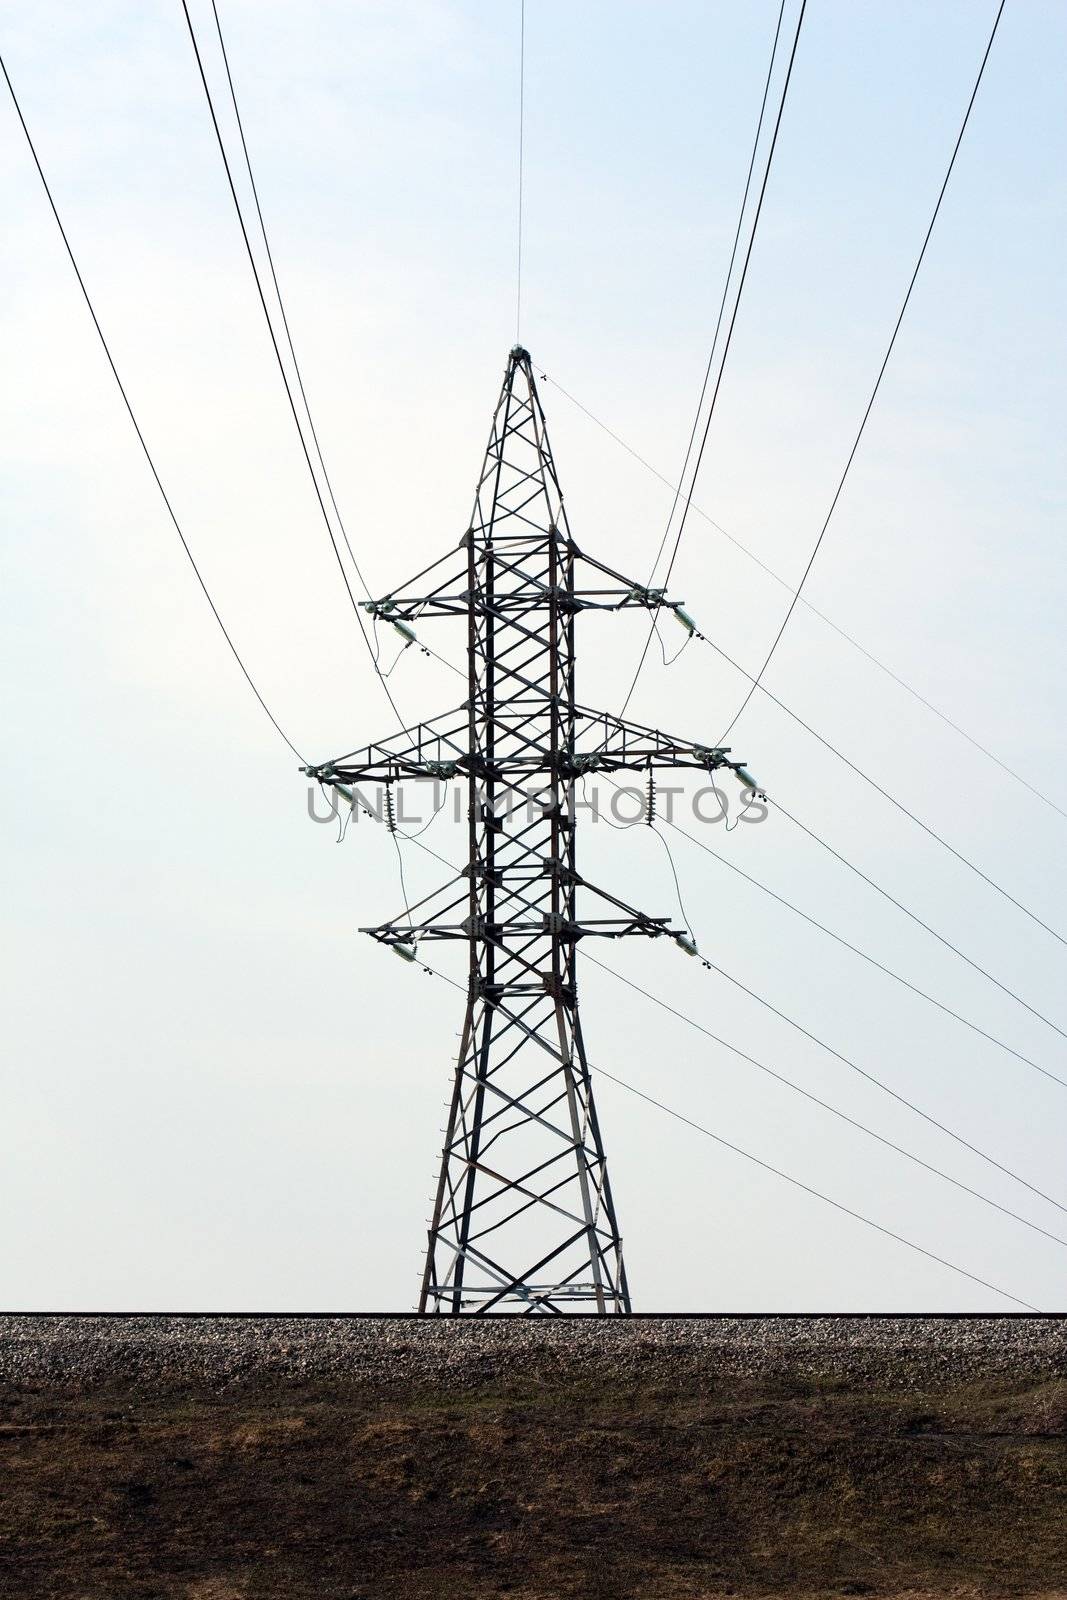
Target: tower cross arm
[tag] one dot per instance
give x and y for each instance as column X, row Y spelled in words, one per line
column 439, row 748
column 529, row 914
column 441, row 589
column 527, row 888
column 428, row 594
column 622, row 746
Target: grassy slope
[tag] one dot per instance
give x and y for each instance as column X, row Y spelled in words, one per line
column 548, row 1490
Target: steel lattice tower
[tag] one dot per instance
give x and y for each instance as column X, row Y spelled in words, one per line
column 524, row 1218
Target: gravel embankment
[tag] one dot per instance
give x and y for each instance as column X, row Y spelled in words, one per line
column 909, row 1351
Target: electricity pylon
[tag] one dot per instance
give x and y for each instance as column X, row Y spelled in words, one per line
column 524, row 1218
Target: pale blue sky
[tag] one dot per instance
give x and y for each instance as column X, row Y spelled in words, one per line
column 216, row 1094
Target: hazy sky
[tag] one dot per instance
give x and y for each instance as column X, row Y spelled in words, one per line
column 216, row 1094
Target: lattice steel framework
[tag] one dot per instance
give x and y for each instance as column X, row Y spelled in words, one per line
column 524, row 1218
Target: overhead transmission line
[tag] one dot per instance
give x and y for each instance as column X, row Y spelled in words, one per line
column 281, row 303
column 736, row 306
column 845, row 1061
column 1003, row 987
column 849, row 638
column 281, row 364
column 137, row 426
column 880, row 789
column 797, row 593
column 843, row 1116
column 864, row 955
column 877, row 384
column 426, row 650
column 843, row 859
column 778, row 1172
column 756, row 681
column 522, row 130
column 807, row 1188
column 725, row 293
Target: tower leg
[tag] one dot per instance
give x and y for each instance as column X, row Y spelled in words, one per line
column 522, row 1168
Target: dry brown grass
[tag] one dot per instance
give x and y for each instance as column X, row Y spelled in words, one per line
column 538, row 1491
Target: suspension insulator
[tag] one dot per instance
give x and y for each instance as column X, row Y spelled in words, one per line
column 390, row 814
column 650, row 803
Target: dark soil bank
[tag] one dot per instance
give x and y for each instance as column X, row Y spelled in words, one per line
column 289, row 1458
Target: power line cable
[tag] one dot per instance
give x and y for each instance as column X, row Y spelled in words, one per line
column 778, row 1172
column 522, row 127
column 835, row 1111
column 677, row 886
column 619, row 827
column 725, row 293
column 797, row 1183
column 281, row 363
column 729, row 335
column 874, row 784
column 281, row 303
column 737, row 301
column 863, row 954
column 425, row 648
column 403, row 882
column 136, row 425
column 877, row 382
column 1003, row 987
column 849, row 638
column 413, row 838
column 862, row 1072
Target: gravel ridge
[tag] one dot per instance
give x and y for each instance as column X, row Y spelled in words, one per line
column 85, row 1350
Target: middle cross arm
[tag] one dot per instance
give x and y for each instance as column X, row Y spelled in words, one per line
column 440, row 748
column 443, row 590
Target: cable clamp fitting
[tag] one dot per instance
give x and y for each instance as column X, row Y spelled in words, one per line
column 646, row 597
column 712, row 755
column 438, row 769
